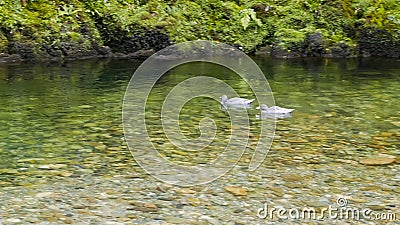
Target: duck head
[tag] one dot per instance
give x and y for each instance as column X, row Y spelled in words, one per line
column 224, row 98
column 263, row 107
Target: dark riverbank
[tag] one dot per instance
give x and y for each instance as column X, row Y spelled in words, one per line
column 138, row 46
column 71, row 30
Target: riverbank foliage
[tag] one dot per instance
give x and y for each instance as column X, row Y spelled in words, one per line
column 251, row 24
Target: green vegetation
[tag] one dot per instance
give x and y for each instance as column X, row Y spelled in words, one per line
column 49, row 22
column 251, row 24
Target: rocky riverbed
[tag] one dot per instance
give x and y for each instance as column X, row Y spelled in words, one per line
column 304, row 168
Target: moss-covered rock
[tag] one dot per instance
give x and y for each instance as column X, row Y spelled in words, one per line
column 314, row 45
column 3, row 43
column 378, row 42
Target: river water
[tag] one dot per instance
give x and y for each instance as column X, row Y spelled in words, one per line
column 63, row 156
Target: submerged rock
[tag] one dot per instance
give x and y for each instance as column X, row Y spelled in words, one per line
column 144, row 207
column 236, row 190
column 377, row 161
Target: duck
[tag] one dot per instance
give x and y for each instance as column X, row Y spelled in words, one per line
column 274, row 109
column 235, row 102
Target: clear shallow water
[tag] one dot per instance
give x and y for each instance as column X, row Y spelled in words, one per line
column 61, row 125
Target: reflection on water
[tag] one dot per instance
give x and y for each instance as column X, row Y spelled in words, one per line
column 70, row 114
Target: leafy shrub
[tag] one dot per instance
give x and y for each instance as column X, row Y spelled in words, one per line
column 246, row 23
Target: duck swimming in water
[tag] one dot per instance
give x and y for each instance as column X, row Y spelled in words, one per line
column 274, row 112
column 274, row 109
column 235, row 102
